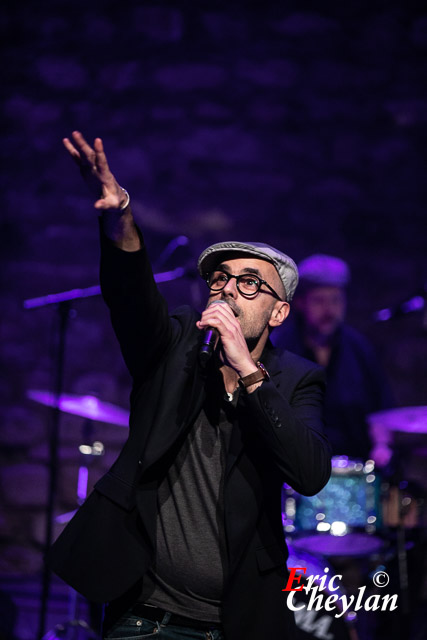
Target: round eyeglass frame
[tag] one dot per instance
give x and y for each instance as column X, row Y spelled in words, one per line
column 238, row 279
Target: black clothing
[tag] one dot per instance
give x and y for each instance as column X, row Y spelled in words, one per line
column 276, row 437
column 356, row 386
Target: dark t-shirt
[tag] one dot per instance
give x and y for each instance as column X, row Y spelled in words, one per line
column 190, row 565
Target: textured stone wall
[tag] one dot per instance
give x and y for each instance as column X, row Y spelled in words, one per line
column 300, row 123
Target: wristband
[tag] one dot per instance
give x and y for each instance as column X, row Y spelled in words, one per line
column 256, row 376
column 127, row 201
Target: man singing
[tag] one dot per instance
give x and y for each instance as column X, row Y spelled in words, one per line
column 183, row 536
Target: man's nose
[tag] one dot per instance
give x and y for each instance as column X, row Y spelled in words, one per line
column 230, row 289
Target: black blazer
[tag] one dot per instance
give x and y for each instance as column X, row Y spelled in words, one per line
column 277, row 437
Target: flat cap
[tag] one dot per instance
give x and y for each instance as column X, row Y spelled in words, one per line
column 285, row 266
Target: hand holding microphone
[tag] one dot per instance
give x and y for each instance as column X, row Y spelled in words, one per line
column 209, row 341
column 219, row 321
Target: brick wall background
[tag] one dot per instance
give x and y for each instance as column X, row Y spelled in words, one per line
column 302, row 124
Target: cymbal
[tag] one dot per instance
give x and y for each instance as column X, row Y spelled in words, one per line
column 404, row 419
column 84, row 406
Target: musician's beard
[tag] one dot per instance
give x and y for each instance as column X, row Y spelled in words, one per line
column 254, row 325
column 253, row 320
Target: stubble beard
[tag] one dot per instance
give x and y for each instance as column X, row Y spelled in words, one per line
column 253, row 328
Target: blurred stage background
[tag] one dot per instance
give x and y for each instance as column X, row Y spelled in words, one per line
column 301, row 124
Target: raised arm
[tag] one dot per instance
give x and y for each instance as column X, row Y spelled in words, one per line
column 138, row 312
column 112, row 200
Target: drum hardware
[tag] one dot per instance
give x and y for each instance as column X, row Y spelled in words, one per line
column 71, row 630
column 400, row 505
column 409, row 425
column 410, row 420
column 403, row 432
column 86, row 406
column 321, row 624
column 342, row 518
column 87, row 452
column 61, row 631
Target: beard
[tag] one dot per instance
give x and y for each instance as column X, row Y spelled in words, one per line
column 253, row 326
column 253, row 323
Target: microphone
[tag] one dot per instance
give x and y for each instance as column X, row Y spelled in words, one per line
column 210, row 336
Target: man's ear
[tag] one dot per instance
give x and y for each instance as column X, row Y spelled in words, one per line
column 279, row 314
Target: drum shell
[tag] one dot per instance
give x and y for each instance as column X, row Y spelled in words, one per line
column 343, row 518
column 318, row 624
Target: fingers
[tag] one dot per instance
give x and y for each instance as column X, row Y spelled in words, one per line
column 94, row 168
column 71, row 149
column 100, row 157
column 83, row 155
column 107, row 203
column 221, row 317
column 233, row 347
column 84, row 148
column 216, row 307
column 87, row 157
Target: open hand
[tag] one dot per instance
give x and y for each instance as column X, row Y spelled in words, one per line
column 94, row 168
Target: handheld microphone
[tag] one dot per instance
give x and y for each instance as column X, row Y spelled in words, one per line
column 208, row 345
column 210, row 336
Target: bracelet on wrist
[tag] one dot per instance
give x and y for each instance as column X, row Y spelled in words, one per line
column 126, row 202
column 253, row 378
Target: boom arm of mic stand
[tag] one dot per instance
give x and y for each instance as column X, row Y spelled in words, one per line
column 88, row 292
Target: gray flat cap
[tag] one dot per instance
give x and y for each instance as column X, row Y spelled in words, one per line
column 285, row 266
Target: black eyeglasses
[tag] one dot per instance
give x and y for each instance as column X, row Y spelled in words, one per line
column 247, row 283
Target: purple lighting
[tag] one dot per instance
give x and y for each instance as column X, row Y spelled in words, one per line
column 85, row 406
column 413, row 304
column 75, row 294
column 82, row 484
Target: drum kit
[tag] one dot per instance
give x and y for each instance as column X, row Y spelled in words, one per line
column 91, row 409
column 359, row 517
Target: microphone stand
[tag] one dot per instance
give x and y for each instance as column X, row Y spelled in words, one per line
column 63, row 313
column 401, row 550
column 63, row 302
column 89, row 292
